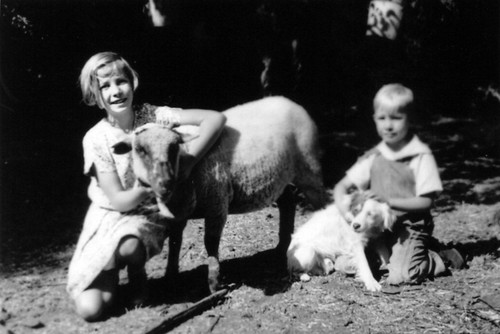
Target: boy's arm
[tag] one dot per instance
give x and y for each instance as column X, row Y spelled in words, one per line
column 428, row 185
column 356, row 177
column 412, row 204
column 340, row 192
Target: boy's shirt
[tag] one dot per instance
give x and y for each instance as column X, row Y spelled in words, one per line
column 421, row 162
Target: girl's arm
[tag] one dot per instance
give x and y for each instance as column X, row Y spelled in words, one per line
column 122, row 200
column 211, row 124
column 412, row 204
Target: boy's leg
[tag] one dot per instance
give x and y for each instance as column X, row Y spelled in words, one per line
column 452, row 258
column 411, row 260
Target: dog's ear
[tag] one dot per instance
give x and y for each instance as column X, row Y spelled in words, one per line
column 389, row 216
column 356, row 198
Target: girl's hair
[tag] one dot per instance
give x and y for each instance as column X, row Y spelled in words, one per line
column 394, row 96
column 88, row 77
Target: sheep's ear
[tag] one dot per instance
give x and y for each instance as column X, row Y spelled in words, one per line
column 389, row 216
column 123, row 146
column 188, row 132
column 187, row 137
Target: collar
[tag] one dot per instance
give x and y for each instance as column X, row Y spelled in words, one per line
column 413, row 148
column 114, row 123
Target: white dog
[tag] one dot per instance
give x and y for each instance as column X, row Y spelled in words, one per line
column 327, row 237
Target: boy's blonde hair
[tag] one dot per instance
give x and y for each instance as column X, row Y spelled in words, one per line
column 88, row 77
column 394, row 96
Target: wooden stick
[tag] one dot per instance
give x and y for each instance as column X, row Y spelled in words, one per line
column 176, row 319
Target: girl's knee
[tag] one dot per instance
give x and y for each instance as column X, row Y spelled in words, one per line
column 131, row 251
column 90, row 305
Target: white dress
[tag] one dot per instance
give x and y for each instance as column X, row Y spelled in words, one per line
column 104, row 227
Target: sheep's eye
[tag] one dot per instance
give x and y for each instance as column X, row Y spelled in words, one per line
column 140, row 150
column 173, row 152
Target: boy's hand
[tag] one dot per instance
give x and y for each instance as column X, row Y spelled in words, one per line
column 344, row 211
column 375, row 197
column 348, row 217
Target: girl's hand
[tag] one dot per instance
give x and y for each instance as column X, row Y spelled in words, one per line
column 168, row 122
column 122, row 200
column 138, row 186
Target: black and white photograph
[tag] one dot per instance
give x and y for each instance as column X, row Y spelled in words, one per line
column 249, row 166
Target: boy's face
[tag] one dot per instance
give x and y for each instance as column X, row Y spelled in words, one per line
column 392, row 126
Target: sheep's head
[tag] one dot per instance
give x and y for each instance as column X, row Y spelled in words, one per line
column 155, row 153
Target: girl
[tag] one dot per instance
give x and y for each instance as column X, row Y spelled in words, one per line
column 402, row 171
column 122, row 227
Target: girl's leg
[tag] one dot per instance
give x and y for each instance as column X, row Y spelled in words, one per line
column 131, row 253
column 92, row 302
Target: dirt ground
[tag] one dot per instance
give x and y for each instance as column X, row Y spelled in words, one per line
column 261, row 298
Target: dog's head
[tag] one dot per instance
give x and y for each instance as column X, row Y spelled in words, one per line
column 370, row 215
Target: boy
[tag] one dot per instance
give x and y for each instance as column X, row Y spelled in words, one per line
column 402, row 171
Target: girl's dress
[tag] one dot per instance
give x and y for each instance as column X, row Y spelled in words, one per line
column 409, row 173
column 104, row 227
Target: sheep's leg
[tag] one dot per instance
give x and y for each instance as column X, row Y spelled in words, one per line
column 213, row 233
column 174, row 243
column 310, row 183
column 286, row 205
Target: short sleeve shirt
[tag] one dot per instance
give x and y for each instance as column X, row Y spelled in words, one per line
column 98, row 149
column 421, row 162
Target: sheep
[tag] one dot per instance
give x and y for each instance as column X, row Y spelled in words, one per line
column 265, row 146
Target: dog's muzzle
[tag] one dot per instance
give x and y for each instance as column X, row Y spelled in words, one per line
column 355, row 226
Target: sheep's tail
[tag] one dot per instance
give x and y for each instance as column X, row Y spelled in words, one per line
column 301, row 259
column 308, row 259
column 310, row 178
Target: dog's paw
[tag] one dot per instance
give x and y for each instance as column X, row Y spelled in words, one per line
column 305, row 277
column 373, row 285
column 393, row 279
column 328, row 266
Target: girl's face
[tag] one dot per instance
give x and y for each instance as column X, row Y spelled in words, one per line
column 392, row 126
column 116, row 91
